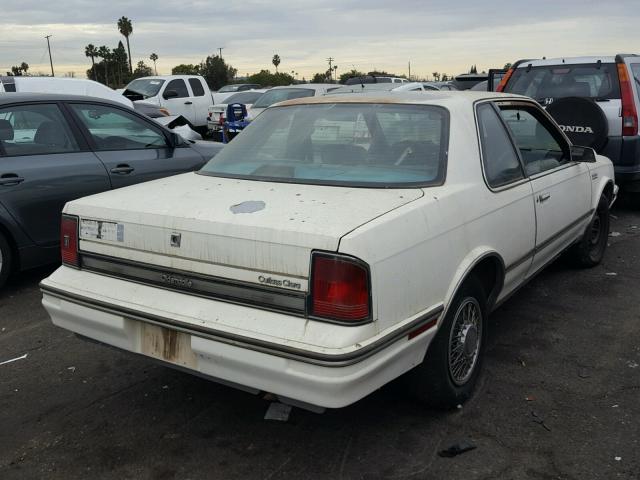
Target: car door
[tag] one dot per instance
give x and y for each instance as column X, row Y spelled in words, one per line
column 508, row 198
column 201, row 101
column 178, row 99
column 561, row 187
column 133, row 149
column 43, row 165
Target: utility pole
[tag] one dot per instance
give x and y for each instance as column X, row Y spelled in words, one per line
column 330, row 60
column 409, row 70
column 220, row 50
column 50, row 60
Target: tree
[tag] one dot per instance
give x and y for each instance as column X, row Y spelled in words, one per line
column 91, row 51
column 436, row 76
column 121, row 63
column 105, row 53
column 153, row 57
column 24, row 66
column 276, row 61
column 268, row 79
column 16, row 71
column 216, row 72
column 320, row 77
column 507, row 66
column 126, row 29
column 142, row 70
column 186, row 69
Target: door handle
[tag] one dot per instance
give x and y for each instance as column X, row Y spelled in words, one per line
column 122, row 169
column 10, row 179
column 543, row 197
column 188, row 103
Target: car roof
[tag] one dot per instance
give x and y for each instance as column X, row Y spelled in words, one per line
column 19, row 97
column 567, row 61
column 441, row 97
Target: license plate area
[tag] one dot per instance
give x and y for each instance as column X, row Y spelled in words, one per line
column 167, row 345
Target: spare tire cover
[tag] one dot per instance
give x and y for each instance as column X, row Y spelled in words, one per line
column 582, row 120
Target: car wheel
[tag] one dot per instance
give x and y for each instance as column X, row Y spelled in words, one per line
column 6, row 260
column 452, row 364
column 589, row 251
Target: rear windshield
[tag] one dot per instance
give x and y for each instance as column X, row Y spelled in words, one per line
column 280, row 95
column 146, row 87
column 243, row 97
column 558, row 81
column 357, row 144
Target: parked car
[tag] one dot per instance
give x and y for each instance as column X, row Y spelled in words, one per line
column 595, row 100
column 374, row 79
column 225, row 92
column 386, row 87
column 318, row 264
column 215, row 117
column 468, row 80
column 55, row 148
column 63, row 86
column 186, row 95
column 280, row 94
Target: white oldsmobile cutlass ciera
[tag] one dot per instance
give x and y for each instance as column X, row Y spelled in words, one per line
column 337, row 244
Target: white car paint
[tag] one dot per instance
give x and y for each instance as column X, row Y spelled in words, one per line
column 70, row 86
column 192, row 106
column 419, row 244
column 315, row 88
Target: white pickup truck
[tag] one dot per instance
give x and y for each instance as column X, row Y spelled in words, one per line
column 186, row 95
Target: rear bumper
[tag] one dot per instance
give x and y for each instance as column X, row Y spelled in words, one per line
column 624, row 152
column 323, row 378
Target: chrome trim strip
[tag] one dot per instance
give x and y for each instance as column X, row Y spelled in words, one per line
column 315, row 358
column 196, row 284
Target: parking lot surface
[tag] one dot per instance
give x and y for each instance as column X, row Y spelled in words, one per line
column 558, row 399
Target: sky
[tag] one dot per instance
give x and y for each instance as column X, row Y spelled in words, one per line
column 447, row 37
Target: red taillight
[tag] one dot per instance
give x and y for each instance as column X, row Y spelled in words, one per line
column 221, row 119
column 629, row 112
column 69, row 240
column 505, row 79
column 339, row 289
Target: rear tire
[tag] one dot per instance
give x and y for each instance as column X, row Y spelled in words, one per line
column 589, row 251
column 447, row 376
column 6, row 260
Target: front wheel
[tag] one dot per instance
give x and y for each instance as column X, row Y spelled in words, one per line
column 451, row 367
column 589, row 251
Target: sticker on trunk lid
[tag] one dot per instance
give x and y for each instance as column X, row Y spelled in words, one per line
column 99, row 230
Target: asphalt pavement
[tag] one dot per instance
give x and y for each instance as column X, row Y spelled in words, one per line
column 559, row 398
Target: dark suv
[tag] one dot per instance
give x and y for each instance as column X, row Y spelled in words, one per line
column 595, row 100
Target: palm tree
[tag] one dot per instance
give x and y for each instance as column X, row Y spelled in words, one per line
column 153, row 58
column 276, row 61
column 126, row 28
column 24, row 66
column 91, row 51
column 105, row 53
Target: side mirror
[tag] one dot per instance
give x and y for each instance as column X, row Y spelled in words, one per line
column 583, row 154
column 170, row 94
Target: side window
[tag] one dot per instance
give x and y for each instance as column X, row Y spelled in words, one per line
column 114, row 129
column 635, row 70
column 35, row 130
column 178, row 86
column 541, row 145
column 196, row 87
column 499, row 158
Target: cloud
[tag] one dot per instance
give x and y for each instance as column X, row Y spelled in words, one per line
column 373, row 34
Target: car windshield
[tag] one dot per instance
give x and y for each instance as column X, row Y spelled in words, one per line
column 353, row 144
column 147, row 87
column 546, row 83
column 280, row 95
column 244, row 97
column 229, row 88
